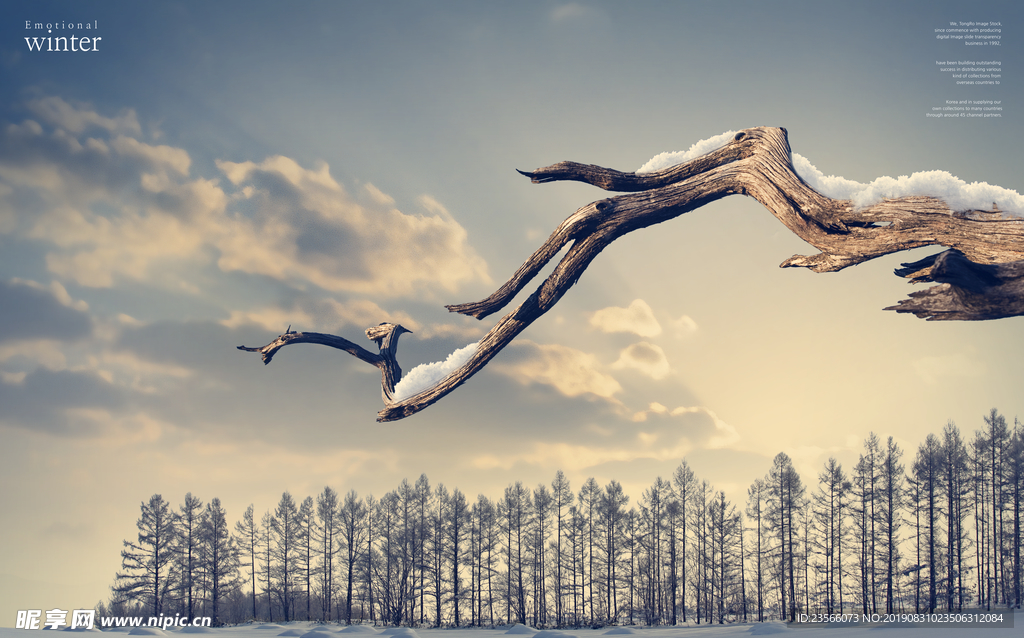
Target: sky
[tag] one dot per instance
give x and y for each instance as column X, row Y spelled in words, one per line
column 212, row 174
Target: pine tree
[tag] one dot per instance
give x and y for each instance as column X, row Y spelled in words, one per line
column 248, row 540
column 222, row 554
column 327, row 526
column 352, row 515
column 285, row 525
column 188, row 522
column 890, row 516
column 146, row 562
column 563, row 500
column 683, row 482
column 927, row 474
column 305, row 540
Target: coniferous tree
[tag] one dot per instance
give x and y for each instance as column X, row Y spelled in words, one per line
column 890, row 517
column 266, row 547
column 187, row 523
column 784, row 510
column 955, row 489
column 541, row 531
column 829, row 512
column 222, row 557
column 562, row 500
column 326, row 529
column 248, row 540
column 1015, row 478
column 285, row 526
column 683, row 482
column 305, row 540
column 996, row 437
column 351, row 518
column 147, row 561
column 422, row 535
column 589, row 499
column 757, row 496
column 613, row 502
column 458, row 524
column 927, row 474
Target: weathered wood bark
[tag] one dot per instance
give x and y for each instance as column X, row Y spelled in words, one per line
column 982, row 277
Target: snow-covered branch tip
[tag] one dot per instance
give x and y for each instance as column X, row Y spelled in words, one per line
column 980, row 276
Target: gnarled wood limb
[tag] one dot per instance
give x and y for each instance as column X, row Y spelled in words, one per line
column 385, row 335
column 969, row 291
column 982, row 278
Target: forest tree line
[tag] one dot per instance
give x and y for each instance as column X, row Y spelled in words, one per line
column 940, row 531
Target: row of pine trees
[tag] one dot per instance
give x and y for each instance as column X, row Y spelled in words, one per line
column 940, row 533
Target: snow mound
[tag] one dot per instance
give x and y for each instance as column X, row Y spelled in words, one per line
column 619, row 630
column 551, row 633
column 520, row 629
column 147, row 631
column 357, row 629
column 272, row 626
column 293, row 632
column 196, row 630
column 312, row 633
column 703, row 147
column 427, row 375
column 763, row 629
column 958, row 194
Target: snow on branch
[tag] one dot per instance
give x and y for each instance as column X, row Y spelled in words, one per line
column 980, row 277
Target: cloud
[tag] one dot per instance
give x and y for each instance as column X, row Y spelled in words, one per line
column 76, row 118
column 31, row 311
column 646, row 358
column 111, row 208
column 46, row 400
column 570, row 371
column 684, row 326
column 308, row 313
column 656, row 433
column 638, row 318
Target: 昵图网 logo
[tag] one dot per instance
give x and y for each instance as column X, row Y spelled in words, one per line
column 74, row 42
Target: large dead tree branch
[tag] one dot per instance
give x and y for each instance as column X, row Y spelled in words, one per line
column 981, row 276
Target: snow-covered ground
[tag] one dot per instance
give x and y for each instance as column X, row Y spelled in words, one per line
column 313, row 630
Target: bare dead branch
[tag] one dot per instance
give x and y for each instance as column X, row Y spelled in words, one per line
column 982, row 277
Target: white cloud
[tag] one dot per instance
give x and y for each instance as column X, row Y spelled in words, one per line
column 570, row 371
column 275, row 218
column 166, row 157
column 646, row 358
column 76, row 118
column 308, row 228
column 684, row 326
column 638, row 318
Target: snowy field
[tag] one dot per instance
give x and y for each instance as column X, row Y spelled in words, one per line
column 313, row 630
